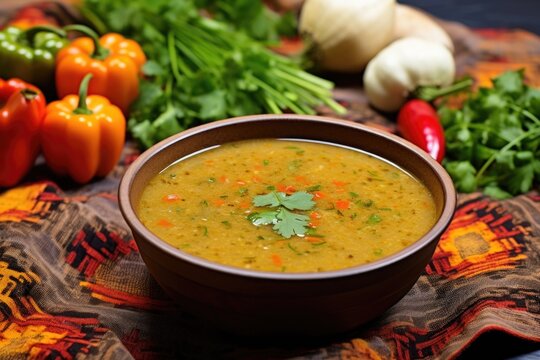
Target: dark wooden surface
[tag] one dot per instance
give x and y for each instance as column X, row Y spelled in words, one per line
column 523, row 14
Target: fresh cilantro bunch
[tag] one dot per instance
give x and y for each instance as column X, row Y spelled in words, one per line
column 205, row 68
column 285, row 222
column 493, row 141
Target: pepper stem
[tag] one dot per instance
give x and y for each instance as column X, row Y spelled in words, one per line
column 29, row 94
column 30, row 33
column 99, row 51
column 82, row 109
column 430, row 93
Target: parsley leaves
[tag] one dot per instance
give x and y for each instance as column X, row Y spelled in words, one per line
column 285, row 222
column 493, row 141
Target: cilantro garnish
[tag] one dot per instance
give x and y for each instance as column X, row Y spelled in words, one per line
column 284, row 221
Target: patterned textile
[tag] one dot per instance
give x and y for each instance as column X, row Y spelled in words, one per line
column 73, row 285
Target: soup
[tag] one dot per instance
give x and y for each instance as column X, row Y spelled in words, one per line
column 286, row 206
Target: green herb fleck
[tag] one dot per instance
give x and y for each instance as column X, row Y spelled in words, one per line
column 204, row 229
column 295, row 165
column 271, row 187
column 377, row 252
column 266, row 162
column 227, row 224
column 366, row 203
column 374, row 219
column 314, row 188
column 212, row 180
column 293, row 249
column 242, row 191
column 353, row 195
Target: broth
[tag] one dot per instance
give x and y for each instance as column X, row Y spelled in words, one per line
column 355, row 207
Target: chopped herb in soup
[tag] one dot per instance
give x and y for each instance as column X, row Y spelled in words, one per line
column 286, row 206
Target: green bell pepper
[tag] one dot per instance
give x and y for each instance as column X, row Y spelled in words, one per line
column 30, row 54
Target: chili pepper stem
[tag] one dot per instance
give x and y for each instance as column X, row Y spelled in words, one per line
column 29, row 94
column 430, row 93
column 100, row 52
column 30, row 33
column 82, row 108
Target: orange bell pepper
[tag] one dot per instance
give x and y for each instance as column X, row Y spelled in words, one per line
column 114, row 61
column 83, row 136
column 20, row 120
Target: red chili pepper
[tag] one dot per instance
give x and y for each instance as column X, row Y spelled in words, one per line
column 419, row 123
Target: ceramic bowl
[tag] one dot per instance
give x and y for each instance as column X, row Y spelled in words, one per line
column 269, row 303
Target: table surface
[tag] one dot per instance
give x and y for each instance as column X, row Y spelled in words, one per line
column 72, row 283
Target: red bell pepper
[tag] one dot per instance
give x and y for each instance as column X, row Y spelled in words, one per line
column 419, row 123
column 22, row 109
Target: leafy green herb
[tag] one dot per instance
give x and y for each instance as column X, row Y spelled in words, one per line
column 353, row 195
column 263, row 218
column 266, row 162
column 204, row 68
column 270, row 187
column 300, row 200
column 285, row 222
column 493, row 141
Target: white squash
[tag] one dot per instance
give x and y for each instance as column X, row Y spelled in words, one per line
column 402, row 67
column 411, row 22
column 346, row 34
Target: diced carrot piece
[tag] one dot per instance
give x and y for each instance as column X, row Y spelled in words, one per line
column 313, row 239
column 223, row 179
column 171, row 198
column 339, row 183
column 240, row 182
column 314, row 223
column 244, row 205
column 219, row 202
column 164, row 223
column 302, row 180
column 314, row 215
column 343, row 204
column 319, row 195
column 256, row 179
column 287, row 189
column 276, row 259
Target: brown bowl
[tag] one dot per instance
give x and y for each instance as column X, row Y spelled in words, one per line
column 268, row 303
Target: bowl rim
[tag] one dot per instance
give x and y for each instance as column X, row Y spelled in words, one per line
column 131, row 218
